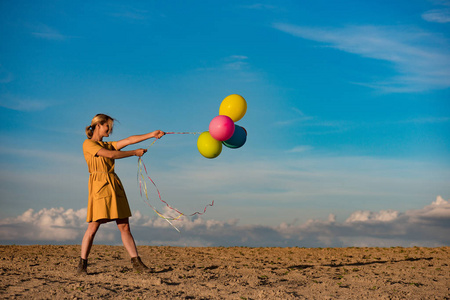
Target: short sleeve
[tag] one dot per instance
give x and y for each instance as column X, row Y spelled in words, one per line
column 114, row 144
column 91, row 147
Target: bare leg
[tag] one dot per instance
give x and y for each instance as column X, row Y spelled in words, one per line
column 88, row 239
column 127, row 238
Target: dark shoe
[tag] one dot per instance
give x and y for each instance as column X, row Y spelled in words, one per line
column 139, row 266
column 82, row 267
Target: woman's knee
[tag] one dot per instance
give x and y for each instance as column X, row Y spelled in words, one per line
column 123, row 225
column 92, row 228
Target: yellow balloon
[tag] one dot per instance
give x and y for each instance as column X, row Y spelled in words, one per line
column 208, row 146
column 233, row 106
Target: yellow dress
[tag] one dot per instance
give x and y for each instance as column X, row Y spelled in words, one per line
column 107, row 199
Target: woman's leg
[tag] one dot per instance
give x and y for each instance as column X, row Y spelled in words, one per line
column 128, row 242
column 127, row 238
column 88, row 238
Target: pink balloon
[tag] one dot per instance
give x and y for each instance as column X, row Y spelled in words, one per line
column 221, row 128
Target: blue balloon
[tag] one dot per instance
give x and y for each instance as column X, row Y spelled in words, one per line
column 238, row 138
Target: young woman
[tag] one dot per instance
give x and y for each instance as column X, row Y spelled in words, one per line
column 107, row 199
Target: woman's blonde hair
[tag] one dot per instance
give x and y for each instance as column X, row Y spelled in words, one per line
column 99, row 119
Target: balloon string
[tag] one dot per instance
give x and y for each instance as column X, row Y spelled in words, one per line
column 174, row 133
column 183, row 132
column 144, row 168
column 143, row 187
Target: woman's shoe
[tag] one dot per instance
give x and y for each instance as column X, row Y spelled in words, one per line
column 82, row 267
column 138, row 265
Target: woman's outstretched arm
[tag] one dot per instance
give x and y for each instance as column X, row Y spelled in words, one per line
column 139, row 138
column 116, row 154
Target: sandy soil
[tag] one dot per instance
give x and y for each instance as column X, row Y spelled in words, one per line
column 43, row 272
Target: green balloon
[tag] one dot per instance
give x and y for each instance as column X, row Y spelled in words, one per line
column 238, row 138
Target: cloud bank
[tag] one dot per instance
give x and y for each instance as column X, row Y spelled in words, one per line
column 427, row 226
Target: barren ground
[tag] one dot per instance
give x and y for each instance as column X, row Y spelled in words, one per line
column 43, row 272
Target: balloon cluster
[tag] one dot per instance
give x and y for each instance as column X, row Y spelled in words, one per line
column 222, row 130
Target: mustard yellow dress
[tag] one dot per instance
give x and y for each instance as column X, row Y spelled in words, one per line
column 107, row 198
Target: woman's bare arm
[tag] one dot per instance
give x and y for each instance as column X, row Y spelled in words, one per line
column 139, row 138
column 116, row 154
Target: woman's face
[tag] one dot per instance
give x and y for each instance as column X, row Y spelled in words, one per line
column 104, row 129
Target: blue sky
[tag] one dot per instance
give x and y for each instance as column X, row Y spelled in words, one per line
column 348, row 116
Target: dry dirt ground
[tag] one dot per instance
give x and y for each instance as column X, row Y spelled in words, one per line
column 48, row 272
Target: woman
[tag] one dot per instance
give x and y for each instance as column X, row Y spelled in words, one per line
column 107, row 199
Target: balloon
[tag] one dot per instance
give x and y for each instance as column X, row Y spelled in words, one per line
column 233, row 106
column 238, row 139
column 208, row 146
column 221, row 128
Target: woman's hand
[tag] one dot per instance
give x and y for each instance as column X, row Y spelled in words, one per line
column 158, row 133
column 140, row 152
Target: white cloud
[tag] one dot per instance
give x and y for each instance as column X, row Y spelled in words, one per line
column 23, row 104
column 419, row 57
column 301, row 148
column 366, row 216
column 437, row 15
column 236, row 62
column 438, row 210
column 236, row 67
column 54, row 224
column 425, row 227
column 238, row 57
column 427, row 120
column 383, row 228
column 46, row 32
column 297, row 116
column 130, row 13
column 260, row 6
